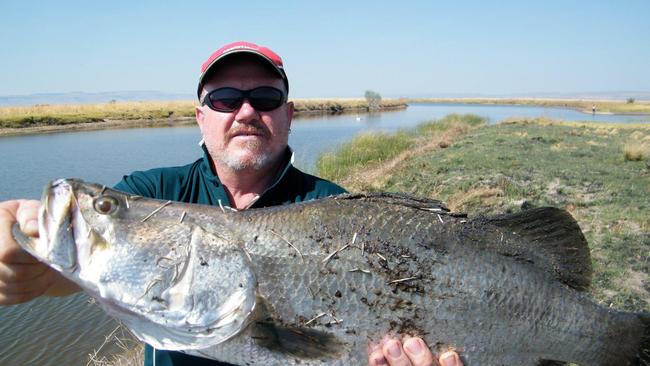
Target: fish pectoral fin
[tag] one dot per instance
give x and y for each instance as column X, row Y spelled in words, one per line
column 298, row 341
column 559, row 247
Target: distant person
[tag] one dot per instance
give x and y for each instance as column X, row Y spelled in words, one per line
column 593, row 109
column 244, row 117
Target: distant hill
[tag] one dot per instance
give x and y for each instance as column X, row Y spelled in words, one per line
column 152, row 95
column 84, row 98
column 604, row 95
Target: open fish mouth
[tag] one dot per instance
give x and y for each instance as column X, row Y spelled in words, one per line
column 56, row 243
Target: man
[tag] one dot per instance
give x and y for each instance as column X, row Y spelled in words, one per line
column 245, row 119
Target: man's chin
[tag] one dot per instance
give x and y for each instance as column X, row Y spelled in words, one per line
column 248, row 161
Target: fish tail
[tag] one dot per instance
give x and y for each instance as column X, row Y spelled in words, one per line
column 628, row 342
column 643, row 354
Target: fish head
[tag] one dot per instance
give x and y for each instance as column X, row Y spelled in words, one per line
column 175, row 284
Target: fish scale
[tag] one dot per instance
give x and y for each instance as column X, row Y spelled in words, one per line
column 314, row 283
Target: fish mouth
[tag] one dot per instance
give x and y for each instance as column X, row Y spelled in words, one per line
column 56, row 244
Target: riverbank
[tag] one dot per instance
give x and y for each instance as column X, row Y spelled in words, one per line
column 598, row 172
column 585, row 106
column 84, row 117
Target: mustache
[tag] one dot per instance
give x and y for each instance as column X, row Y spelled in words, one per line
column 247, row 129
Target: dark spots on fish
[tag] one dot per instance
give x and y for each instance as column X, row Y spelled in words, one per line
column 378, row 292
column 406, row 326
column 401, row 304
column 364, row 301
column 241, row 285
column 337, row 293
column 350, row 331
column 202, row 261
column 352, row 289
column 157, row 299
column 255, row 238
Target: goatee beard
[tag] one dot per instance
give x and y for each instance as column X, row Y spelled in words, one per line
column 242, row 159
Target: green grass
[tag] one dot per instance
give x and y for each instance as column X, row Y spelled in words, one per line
column 371, row 149
column 364, row 149
column 583, row 169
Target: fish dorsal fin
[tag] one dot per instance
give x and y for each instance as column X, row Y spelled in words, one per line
column 558, row 243
column 402, row 199
column 297, row 340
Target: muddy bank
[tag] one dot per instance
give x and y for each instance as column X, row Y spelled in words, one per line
column 300, row 111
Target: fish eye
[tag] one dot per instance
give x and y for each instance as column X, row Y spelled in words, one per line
column 105, row 205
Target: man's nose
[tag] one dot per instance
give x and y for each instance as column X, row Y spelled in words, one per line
column 246, row 113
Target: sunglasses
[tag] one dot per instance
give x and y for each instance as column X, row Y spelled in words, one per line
column 263, row 98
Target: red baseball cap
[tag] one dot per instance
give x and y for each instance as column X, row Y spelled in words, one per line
column 242, row 47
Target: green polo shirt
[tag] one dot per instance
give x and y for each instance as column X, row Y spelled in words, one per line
column 197, row 183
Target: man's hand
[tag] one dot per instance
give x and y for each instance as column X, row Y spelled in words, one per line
column 413, row 352
column 22, row 277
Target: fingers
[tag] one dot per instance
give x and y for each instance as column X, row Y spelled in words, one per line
column 22, row 277
column 376, row 356
column 450, row 358
column 24, row 290
column 20, row 272
column 10, row 252
column 395, row 355
column 27, row 216
column 413, row 352
column 418, row 352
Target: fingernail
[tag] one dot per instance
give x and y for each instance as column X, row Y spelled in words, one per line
column 449, row 359
column 414, row 346
column 31, row 227
column 395, row 349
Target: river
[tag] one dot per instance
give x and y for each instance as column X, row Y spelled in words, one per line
column 64, row 331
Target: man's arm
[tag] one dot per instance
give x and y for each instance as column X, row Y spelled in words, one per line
column 22, row 277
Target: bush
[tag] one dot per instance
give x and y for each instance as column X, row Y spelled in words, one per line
column 373, row 99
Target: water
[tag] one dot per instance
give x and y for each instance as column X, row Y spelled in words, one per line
column 64, row 331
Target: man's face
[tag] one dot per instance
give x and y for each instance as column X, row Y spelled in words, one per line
column 245, row 138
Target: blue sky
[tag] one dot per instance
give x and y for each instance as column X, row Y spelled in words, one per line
column 333, row 48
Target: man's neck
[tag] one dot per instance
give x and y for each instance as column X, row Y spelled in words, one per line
column 244, row 187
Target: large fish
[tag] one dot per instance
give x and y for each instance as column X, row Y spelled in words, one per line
column 314, row 283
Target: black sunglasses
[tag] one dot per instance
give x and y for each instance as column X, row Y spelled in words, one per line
column 263, row 98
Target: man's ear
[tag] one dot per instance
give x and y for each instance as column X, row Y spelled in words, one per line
column 290, row 112
column 199, row 114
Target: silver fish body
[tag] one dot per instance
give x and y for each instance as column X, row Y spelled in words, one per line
column 314, row 283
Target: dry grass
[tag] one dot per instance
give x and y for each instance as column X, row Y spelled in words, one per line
column 47, row 115
column 635, row 151
column 131, row 351
column 342, row 105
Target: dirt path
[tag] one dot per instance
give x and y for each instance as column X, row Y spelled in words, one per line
column 374, row 177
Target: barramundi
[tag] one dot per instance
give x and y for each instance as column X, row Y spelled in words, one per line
column 314, row 283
